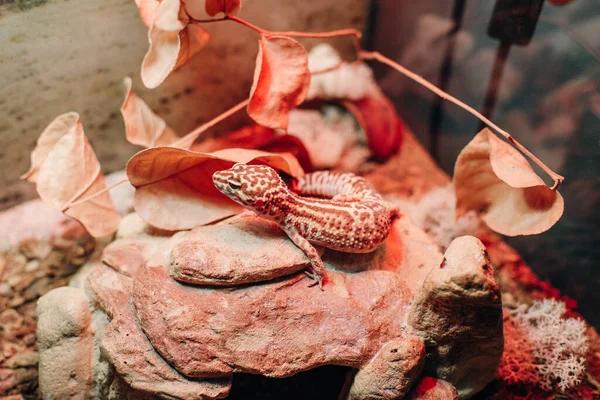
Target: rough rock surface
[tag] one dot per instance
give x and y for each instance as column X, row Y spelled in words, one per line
column 66, row 344
column 175, row 340
column 397, row 366
column 276, row 329
column 130, row 352
column 458, row 313
column 42, row 260
column 257, row 251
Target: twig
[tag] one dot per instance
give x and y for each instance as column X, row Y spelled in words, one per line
column 185, row 142
column 341, row 32
column 205, row 21
column 98, row 193
column 422, row 81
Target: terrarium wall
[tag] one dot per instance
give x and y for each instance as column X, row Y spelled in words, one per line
column 58, row 56
column 547, row 95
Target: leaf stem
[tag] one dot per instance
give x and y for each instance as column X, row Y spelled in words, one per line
column 185, row 142
column 373, row 55
column 340, row 32
column 98, row 193
column 205, row 21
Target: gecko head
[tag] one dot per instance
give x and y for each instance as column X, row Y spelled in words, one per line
column 252, row 186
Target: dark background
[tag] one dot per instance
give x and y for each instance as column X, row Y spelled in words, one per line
column 546, row 93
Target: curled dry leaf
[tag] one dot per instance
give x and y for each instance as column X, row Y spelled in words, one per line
column 281, row 81
column 247, row 137
column 174, row 188
column 228, row 7
column 261, row 138
column 383, row 127
column 71, row 172
column 52, row 134
column 292, row 145
column 142, row 126
column 494, row 179
column 172, row 43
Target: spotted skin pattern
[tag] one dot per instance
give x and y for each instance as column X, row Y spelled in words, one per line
column 343, row 211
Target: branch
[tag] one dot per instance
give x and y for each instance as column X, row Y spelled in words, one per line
column 185, row 142
column 341, row 32
column 422, row 81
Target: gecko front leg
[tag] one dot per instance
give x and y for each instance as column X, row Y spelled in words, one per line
column 318, row 269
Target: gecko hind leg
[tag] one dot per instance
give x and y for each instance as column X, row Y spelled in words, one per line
column 317, row 275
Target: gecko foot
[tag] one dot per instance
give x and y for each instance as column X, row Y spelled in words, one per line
column 316, row 279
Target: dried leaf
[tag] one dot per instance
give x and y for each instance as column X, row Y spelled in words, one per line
column 193, row 39
column 169, row 16
column 248, row 137
column 161, row 58
column 229, row 7
column 51, row 134
column 261, row 138
column 172, row 43
column 383, row 127
column 292, row 145
column 281, row 81
column 174, row 188
column 71, row 172
column 494, row 179
column 147, row 10
column 142, row 126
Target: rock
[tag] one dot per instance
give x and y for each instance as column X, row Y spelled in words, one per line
column 397, row 366
column 276, row 329
column 241, row 250
column 13, row 397
column 129, row 255
column 66, row 344
column 31, row 220
column 78, row 280
column 5, row 289
column 24, row 359
column 108, row 290
column 138, row 364
column 32, row 248
column 391, row 315
column 37, row 288
column 10, row 321
column 133, row 226
column 430, row 388
column 458, row 314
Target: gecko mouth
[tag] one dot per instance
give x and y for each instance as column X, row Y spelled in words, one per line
column 220, row 180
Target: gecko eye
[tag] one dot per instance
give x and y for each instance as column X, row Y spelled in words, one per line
column 234, row 185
